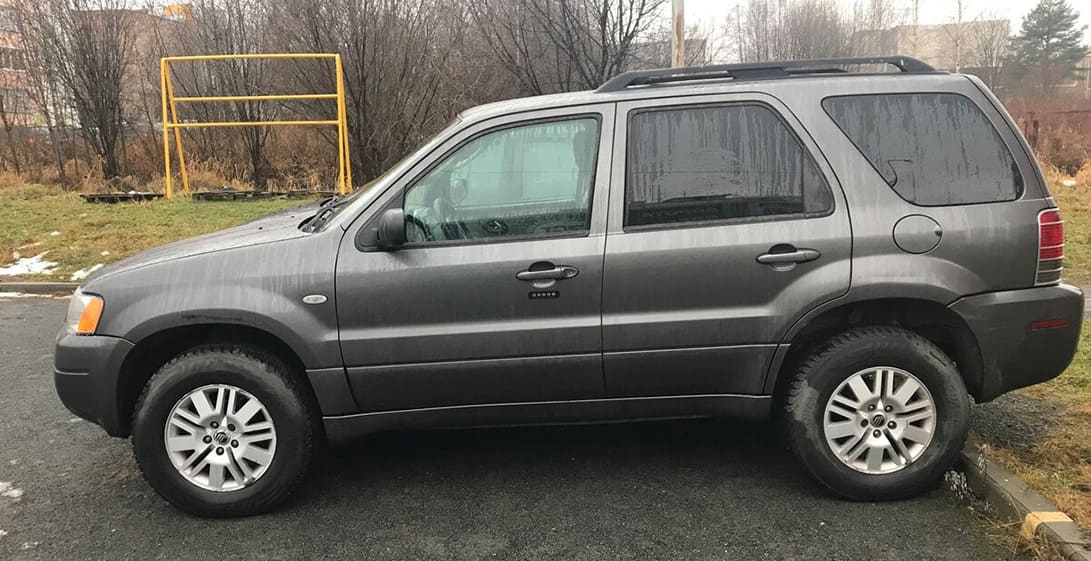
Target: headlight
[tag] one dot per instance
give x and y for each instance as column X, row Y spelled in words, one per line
column 84, row 312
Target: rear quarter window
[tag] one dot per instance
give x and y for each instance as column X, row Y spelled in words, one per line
column 933, row 149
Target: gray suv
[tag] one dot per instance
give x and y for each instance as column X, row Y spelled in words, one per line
column 854, row 254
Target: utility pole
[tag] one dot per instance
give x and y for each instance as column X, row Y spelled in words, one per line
column 678, row 24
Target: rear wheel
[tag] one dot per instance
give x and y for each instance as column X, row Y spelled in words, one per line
column 877, row 413
column 224, row 432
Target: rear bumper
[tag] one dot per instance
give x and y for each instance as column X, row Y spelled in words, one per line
column 85, row 371
column 1014, row 352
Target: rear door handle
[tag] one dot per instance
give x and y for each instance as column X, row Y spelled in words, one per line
column 793, row 256
column 561, row 272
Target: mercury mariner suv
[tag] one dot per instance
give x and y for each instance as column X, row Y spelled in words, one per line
column 854, row 248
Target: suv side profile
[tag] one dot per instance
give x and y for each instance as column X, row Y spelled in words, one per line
column 854, row 254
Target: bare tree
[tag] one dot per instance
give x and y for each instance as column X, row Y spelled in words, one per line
column 989, row 42
column 398, row 56
column 43, row 86
column 813, row 29
column 89, row 44
column 655, row 50
column 230, row 27
column 799, row 29
column 519, row 43
column 958, row 34
column 564, row 45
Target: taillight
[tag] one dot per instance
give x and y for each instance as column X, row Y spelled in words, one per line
column 1050, row 247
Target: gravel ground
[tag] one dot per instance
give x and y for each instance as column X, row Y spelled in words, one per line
column 1018, row 421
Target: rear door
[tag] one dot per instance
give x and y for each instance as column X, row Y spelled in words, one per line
column 725, row 227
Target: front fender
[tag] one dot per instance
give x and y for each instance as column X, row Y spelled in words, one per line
column 261, row 286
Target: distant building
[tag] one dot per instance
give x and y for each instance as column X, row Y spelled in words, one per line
column 14, row 104
column 1080, row 84
column 949, row 46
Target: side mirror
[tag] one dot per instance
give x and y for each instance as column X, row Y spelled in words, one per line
column 392, row 229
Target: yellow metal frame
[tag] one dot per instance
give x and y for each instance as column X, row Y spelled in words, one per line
column 171, row 122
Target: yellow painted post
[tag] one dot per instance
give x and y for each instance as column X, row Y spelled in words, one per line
column 342, row 111
column 287, row 97
column 213, row 125
column 341, row 178
column 177, row 133
column 166, row 130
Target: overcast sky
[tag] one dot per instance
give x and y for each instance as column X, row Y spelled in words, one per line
column 712, row 14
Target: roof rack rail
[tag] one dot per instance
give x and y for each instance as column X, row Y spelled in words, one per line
column 757, row 70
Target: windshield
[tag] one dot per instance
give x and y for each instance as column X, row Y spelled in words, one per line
column 353, row 203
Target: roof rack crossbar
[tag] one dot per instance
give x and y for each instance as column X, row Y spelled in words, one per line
column 757, row 70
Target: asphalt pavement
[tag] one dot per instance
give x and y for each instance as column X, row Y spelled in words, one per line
column 648, row 491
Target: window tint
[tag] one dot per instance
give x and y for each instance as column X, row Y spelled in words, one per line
column 521, row 181
column 933, row 149
column 714, row 163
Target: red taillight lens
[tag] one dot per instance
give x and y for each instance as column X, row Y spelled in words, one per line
column 1050, row 246
column 1051, row 228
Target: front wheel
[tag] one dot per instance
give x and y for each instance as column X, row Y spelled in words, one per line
column 877, row 413
column 224, row 432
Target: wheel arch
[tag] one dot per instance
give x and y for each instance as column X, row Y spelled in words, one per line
column 155, row 349
column 931, row 319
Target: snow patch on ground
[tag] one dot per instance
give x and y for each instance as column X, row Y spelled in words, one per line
column 36, row 265
column 10, row 491
column 82, row 273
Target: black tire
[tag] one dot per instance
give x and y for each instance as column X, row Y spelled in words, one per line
column 839, row 358
column 289, row 403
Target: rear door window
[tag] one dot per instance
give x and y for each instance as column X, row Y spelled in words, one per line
column 712, row 163
column 933, row 149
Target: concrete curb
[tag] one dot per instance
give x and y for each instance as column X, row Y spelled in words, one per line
column 1015, row 502
column 39, row 287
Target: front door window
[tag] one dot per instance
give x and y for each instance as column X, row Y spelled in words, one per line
column 522, row 181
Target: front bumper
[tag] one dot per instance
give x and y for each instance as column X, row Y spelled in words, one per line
column 85, row 372
column 1014, row 352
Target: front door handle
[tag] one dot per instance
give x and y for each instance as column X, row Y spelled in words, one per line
column 561, row 272
column 793, row 255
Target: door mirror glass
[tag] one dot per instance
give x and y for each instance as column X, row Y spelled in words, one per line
column 392, row 229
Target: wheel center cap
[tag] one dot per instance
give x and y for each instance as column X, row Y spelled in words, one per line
column 878, row 420
column 221, row 437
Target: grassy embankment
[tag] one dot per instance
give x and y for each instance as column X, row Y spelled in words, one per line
column 88, row 234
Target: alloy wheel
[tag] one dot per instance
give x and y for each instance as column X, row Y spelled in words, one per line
column 220, row 438
column 879, row 420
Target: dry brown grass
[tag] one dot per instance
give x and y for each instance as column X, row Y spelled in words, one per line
column 1058, row 467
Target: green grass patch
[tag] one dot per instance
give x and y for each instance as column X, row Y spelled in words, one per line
column 30, row 215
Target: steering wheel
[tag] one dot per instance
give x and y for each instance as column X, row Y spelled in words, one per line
column 417, row 223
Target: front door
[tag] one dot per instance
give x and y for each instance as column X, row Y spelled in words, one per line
column 724, row 229
column 497, row 296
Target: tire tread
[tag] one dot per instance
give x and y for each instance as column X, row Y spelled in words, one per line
column 258, row 503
